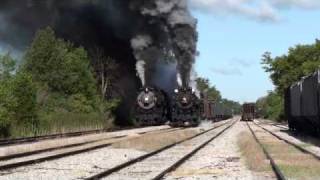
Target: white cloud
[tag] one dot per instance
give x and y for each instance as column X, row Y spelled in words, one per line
column 227, row 72
column 303, row 4
column 260, row 10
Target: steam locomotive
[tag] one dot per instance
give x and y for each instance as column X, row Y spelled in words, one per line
column 185, row 108
column 152, row 107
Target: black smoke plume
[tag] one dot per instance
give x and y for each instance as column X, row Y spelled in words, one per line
column 155, row 39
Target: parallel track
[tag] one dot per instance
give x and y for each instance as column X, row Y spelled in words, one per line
column 173, row 166
column 275, row 167
column 61, row 155
column 24, row 140
column 302, row 149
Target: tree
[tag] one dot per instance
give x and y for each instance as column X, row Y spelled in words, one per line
column 59, row 65
column 18, row 102
column 204, row 87
column 285, row 70
column 300, row 61
column 7, row 66
column 106, row 70
column 271, row 106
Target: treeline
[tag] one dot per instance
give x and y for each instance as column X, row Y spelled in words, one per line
column 53, row 89
column 285, row 70
column 213, row 94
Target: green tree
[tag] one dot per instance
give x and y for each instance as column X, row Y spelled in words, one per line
column 285, row 70
column 7, row 66
column 18, row 103
column 24, row 91
column 205, row 87
column 300, row 61
column 59, row 65
column 271, row 106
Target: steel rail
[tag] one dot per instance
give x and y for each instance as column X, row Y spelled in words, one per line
column 61, row 155
column 24, row 140
column 304, row 150
column 189, row 155
column 29, row 153
column 140, row 158
column 274, row 166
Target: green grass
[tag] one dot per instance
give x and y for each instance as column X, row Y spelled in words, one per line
column 63, row 122
column 253, row 154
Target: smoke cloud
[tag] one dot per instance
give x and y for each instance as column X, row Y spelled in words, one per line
column 155, row 39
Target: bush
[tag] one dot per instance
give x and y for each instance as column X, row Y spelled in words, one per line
column 271, row 107
column 18, row 103
column 79, row 103
column 4, row 122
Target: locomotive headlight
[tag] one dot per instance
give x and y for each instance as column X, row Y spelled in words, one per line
column 176, row 90
column 146, row 99
column 184, row 100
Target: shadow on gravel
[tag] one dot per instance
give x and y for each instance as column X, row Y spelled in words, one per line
column 313, row 140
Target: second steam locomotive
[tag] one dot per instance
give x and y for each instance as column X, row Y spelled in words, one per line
column 183, row 109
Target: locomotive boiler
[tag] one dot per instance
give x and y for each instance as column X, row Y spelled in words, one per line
column 185, row 108
column 152, row 107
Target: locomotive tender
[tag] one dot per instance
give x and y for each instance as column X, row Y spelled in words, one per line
column 185, row 108
column 152, row 107
column 302, row 103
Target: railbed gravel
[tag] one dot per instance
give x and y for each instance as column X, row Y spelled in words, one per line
column 221, row 159
column 53, row 143
column 152, row 166
column 78, row 166
column 301, row 142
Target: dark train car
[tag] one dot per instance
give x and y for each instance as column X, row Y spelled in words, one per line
column 207, row 108
column 310, row 102
column 152, row 107
column 185, row 108
column 248, row 112
column 302, row 104
column 221, row 112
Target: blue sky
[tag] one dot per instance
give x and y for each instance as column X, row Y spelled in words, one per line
column 231, row 45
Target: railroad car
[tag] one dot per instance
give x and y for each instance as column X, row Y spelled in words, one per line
column 185, row 108
column 302, row 102
column 248, row 112
column 207, row 108
column 221, row 112
column 152, row 107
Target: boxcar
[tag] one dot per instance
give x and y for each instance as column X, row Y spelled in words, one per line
column 208, row 109
column 302, row 104
column 248, row 112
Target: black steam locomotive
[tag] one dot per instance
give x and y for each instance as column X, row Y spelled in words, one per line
column 152, row 107
column 185, row 108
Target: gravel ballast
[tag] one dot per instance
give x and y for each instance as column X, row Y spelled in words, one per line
column 221, row 159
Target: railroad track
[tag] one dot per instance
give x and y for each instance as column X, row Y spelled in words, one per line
column 275, row 167
column 300, row 148
column 274, row 124
column 25, row 158
column 277, row 170
column 15, row 141
column 155, row 164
